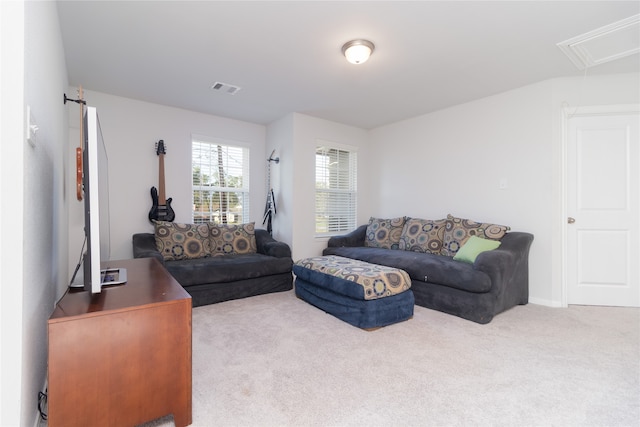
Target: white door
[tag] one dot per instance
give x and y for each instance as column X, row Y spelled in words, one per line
column 603, row 189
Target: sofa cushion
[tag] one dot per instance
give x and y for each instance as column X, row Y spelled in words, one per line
column 423, row 235
column 384, row 233
column 351, row 277
column 473, row 247
column 458, row 231
column 232, row 239
column 438, row 269
column 226, row 268
column 176, row 241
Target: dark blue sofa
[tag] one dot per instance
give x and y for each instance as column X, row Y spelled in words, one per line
column 497, row 281
column 221, row 278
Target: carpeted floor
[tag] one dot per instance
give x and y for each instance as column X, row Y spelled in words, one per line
column 274, row 360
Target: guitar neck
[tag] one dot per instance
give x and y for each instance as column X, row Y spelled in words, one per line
column 162, row 197
column 81, row 98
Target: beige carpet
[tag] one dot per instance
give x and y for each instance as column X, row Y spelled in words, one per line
column 274, row 360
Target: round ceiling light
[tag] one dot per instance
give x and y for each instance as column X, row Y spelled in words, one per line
column 357, row 51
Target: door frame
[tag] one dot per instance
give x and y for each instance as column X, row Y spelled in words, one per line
column 567, row 114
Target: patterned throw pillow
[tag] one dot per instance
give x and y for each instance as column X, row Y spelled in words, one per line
column 177, row 241
column 423, row 235
column 229, row 239
column 384, row 233
column 459, row 230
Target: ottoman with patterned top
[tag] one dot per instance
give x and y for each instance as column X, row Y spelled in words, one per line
column 365, row 295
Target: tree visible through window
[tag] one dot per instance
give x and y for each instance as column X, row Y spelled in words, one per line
column 336, row 190
column 220, row 182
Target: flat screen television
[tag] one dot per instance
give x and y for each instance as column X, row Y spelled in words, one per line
column 95, row 181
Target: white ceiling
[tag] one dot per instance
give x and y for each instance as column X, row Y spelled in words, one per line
column 286, row 55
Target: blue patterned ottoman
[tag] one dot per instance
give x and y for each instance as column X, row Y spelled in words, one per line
column 365, row 295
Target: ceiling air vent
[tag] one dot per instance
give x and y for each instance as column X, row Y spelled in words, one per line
column 608, row 43
column 225, row 88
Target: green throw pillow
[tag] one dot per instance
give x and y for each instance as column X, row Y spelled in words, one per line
column 473, row 247
column 458, row 231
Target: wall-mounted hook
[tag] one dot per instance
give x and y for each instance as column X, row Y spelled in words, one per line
column 272, row 159
column 77, row 101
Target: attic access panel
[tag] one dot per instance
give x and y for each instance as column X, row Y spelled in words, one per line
column 605, row 44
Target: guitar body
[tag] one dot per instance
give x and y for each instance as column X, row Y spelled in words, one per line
column 161, row 206
column 160, row 212
column 79, row 166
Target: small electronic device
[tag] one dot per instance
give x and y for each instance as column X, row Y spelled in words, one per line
column 113, row 276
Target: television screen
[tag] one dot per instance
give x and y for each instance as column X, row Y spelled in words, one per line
column 96, row 200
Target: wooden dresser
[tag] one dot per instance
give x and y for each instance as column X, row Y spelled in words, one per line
column 121, row 357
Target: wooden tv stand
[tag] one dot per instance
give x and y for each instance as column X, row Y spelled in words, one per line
column 122, row 357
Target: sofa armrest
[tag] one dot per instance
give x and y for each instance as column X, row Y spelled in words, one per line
column 352, row 239
column 267, row 245
column 144, row 246
column 508, row 266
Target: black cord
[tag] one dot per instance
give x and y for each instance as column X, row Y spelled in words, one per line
column 42, row 401
column 80, row 261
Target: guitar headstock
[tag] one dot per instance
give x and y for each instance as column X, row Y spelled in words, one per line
column 160, row 148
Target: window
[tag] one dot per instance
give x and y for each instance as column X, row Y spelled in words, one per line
column 336, row 190
column 220, row 181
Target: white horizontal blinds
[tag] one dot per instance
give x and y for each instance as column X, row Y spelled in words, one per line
column 220, row 182
column 336, row 190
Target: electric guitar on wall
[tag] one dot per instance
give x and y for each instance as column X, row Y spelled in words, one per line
column 161, row 209
column 79, row 166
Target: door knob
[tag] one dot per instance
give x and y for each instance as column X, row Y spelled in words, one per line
column 571, row 220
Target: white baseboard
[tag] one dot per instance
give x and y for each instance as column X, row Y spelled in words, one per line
column 547, row 303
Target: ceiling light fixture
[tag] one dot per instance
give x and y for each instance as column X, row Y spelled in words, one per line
column 357, row 51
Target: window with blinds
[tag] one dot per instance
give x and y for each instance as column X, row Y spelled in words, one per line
column 220, row 181
column 336, row 190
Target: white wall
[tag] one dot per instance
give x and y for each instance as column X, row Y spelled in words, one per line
column 34, row 257
column 45, row 229
column 453, row 160
column 449, row 161
column 298, row 135
column 130, row 129
column 11, row 208
column 280, row 138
